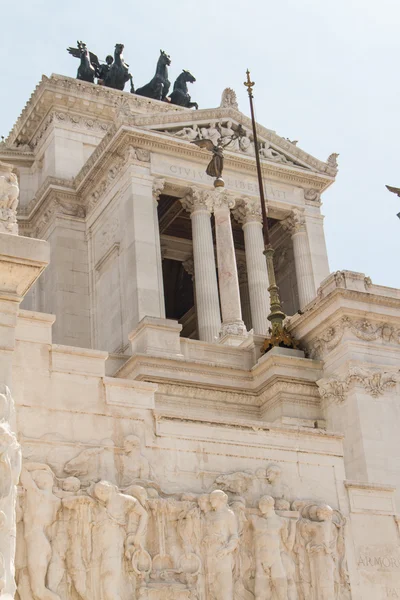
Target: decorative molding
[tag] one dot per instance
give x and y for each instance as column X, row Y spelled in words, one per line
column 375, row 384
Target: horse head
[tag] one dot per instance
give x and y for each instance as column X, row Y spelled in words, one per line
column 119, row 48
column 188, row 76
column 165, row 58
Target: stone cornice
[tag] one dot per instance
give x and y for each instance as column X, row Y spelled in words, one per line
column 62, row 92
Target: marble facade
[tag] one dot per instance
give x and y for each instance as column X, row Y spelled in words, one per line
column 158, row 466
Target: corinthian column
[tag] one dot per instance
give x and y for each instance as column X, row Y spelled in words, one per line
column 248, row 212
column 232, row 323
column 198, row 203
column 295, row 225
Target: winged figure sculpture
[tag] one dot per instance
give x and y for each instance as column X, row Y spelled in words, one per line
column 216, row 164
column 90, row 64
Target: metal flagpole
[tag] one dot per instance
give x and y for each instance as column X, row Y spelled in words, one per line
column 279, row 336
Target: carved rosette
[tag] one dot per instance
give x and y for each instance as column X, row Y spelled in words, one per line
column 198, row 199
column 295, row 222
column 9, row 193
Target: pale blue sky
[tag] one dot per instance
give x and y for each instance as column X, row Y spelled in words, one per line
column 326, row 72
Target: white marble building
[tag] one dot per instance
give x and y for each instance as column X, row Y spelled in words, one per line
column 163, row 458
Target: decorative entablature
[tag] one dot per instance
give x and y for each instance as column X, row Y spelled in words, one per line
column 122, row 142
column 65, row 94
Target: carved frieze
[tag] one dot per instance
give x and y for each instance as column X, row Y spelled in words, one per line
column 375, row 383
column 363, row 329
column 243, row 536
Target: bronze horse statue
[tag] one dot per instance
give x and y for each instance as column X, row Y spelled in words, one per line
column 118, row 73
column 89, row 62
column 180, row 94
column 158, row 87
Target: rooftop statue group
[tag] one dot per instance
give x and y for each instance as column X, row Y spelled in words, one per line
column 114, row 73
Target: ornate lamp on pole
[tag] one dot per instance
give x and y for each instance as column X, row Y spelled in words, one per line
column 279, row 336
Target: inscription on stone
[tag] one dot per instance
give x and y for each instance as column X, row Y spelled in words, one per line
column 240, row 184
column 379, row 562
column 392, row 592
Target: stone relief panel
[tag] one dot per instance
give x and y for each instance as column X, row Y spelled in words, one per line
column 246, row 538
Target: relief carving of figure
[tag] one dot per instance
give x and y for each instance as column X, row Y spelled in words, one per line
column 321, row 553
column 220, row 541
column 188, row 133
column 269, row 530
column 133, row 464
column 41, row 508
column 72, row 544
column 211, row 133
column 120, row 523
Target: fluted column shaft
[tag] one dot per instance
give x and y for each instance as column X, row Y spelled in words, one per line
column 228, row 281
column 248, row 212
column 296, row 226
column 206, row 289
column 158, row 186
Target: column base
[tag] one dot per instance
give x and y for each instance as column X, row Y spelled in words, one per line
column 233, row 333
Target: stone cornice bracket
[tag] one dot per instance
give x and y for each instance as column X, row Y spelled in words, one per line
column 198, row 199
column 295, row 222
column 158, row 186
column 247, row 210
column 375, row 383
column 9, row 195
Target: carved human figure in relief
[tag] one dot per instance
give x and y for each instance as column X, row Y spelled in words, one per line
column 188, row 133
column 220, row 542
column 321, row 553
column 133, row 464
column 211, row 133
column 269, row 529
column 116, row 533
column 41, row 508
column 266, row 151
column 72, row 538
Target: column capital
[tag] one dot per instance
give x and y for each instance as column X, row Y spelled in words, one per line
column 248, row 210
column 223, row 199
column 198, row 199
column 295, row 222
column 158, row 186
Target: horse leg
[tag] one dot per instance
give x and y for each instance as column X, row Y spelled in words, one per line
column 193, row 104
column 167, row 85
column 132, row 86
